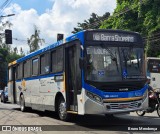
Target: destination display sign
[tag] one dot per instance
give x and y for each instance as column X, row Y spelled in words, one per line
column 116, row 37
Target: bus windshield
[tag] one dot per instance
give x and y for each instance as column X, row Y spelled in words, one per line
column 132, row 62
column 113, row 63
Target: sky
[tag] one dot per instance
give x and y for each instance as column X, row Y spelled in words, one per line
column 50, row 16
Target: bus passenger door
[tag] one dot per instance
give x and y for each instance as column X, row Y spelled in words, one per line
column 12, row 85
column 72, row 75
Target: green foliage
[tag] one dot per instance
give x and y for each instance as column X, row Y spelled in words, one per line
column 7, row 54
column 142, row 16
column 94, row 22
column 35, row 40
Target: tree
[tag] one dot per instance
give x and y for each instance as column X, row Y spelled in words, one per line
column 94, row 22
column 140, row 16
column 35, row 41
column 3, row 26
column 7, row 54
column 22, row 52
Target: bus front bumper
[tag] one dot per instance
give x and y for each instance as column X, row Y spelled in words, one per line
column 92, row 107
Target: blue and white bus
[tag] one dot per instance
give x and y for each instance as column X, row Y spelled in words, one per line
column 90, row 72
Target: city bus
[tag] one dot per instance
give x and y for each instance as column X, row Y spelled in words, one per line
column 153, row 71
column 90, row 72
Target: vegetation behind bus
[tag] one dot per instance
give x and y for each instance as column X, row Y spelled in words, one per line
column 140, row 16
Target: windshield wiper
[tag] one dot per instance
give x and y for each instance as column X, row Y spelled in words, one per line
column 113, row 57
column 110, row 52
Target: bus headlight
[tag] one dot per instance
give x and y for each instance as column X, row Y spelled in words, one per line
column 94, row 97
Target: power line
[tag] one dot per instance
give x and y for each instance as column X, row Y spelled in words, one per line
column 4, row 5
column 96, row 23
column 21, row 40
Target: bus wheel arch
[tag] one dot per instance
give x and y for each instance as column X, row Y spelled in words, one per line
column 60, row 107
column 58, row 96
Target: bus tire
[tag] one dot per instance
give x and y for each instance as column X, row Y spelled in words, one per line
column 140, row 112
column 62, row 110
column 22, row 103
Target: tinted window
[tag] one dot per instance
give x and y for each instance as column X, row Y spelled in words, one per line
column 57, row 60
column 44, row 64
column 26, row 69
column 103, row 63
column 35, row 66
column 19, row 70
column 54, row 61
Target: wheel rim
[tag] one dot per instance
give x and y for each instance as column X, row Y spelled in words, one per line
column 62, row 110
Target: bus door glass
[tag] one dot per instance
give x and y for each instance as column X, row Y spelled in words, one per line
column 73, row 80
column 11, row 84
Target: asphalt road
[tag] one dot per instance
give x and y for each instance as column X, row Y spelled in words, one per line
column 10, row 114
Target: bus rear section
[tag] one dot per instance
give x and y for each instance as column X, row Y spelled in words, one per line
column 153, row 71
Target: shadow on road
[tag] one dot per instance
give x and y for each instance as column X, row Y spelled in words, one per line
column 99, row 122
column 94, row 122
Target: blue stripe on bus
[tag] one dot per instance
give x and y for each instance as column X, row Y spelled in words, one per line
column 79, row 35
column 40, row 77
column 104, row 95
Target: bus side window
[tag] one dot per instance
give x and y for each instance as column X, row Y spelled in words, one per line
column 26, row 69
column 44, row 64
column 57, row 60
column 20, row 71
column 35, row 67
column 53, row 61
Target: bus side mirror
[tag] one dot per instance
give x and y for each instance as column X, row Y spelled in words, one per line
column 81, row 63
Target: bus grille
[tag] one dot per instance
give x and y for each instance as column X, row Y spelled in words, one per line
column 124, row 105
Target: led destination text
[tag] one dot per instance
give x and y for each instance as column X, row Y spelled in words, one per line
column 116, row 37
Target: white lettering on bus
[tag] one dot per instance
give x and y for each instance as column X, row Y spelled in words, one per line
column 106, row 37
column 97, row 51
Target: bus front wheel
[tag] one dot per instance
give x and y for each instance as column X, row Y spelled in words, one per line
column 140, row 112
column 62, row 110
column 22, row 103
